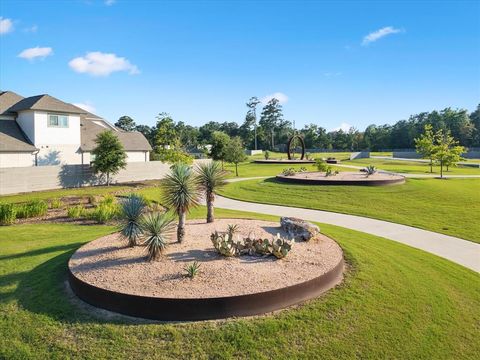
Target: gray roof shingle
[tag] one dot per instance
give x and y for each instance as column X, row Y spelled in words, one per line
column 131, row 141
column 47, row 103
column 12, row 138
column 7, row 100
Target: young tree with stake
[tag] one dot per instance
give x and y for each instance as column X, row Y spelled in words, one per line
column 109, row 155
column 235, row 153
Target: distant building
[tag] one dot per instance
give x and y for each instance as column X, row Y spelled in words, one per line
column 42, row 130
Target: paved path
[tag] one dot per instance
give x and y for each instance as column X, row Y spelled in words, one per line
column 412, row 175
column 460, row 251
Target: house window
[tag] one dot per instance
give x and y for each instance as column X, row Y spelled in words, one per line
column 58, row 121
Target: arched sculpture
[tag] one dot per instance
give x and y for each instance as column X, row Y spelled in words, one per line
column 289, row 145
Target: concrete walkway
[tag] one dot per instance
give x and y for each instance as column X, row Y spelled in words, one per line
column 460, row 251
column 408, row 175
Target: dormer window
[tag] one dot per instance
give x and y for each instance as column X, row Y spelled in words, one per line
column 60, row 121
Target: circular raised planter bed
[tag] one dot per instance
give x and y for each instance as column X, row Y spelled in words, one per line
column 286, row 161
column 343, row 178
column 108, row 275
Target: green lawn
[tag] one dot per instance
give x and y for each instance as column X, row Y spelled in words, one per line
column 450, row 206
column 411, row 167
column 396, row 302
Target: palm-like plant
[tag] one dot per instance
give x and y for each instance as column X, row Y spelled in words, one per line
column 180, row 193
column 210, row 178
column 132, row 209
column 157, row 229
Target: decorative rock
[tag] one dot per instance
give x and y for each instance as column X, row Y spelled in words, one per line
column 299, row 229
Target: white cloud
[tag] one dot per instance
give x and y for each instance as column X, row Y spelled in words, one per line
column 31, row 29
column 110, row 2
column 101, row 64
column 380, row 33
column 6, row 25
column 343, row 126
column 281, row 97
column 36, row 52
column 87, row 106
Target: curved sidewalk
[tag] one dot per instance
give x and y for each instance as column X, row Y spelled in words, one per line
column 460, row 251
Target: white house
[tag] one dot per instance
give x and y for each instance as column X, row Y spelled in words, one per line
column 42, row 130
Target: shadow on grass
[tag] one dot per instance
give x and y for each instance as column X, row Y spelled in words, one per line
column 41, row 251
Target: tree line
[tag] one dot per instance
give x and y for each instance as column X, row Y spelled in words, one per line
column 267, row 129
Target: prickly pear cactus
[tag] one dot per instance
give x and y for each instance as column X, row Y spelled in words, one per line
column 281, row 247
column 262, row 246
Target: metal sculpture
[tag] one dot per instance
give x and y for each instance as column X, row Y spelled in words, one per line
column 289, row 146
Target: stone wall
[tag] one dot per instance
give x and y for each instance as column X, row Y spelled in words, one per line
column 25, row 179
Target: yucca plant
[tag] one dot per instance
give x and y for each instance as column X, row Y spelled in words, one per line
column 132, row 208
column 180, row 193
column 210, row 178
column 370, row 170
column 157, row 228
column 192, row 270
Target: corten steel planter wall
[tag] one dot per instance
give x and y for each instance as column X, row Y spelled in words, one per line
column 306, row 181
column 171, row 309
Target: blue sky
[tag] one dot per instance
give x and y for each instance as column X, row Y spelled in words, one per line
column 332, row 63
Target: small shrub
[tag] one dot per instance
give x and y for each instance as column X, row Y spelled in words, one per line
column 289, row 172
column 307, row 155
column 266, row 154
column 76, row 212
column 192, row 270
column 321, row 165
column 157, row 228
column 8, row 214
column 56, row 203
column 32, row 208
column 108, row 199
column 302, row 169
column 104, row 212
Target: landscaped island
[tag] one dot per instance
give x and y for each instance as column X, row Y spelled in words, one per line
column 342, row 178
column 110, row 275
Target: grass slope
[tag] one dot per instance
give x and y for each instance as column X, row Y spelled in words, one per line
column 450, row 207
column 396, row 302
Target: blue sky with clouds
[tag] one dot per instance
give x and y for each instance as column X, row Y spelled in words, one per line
column 331, row 63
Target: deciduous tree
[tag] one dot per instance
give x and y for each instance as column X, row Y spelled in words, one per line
column 109, row 155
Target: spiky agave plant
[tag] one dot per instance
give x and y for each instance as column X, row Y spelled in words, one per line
column 132, row 209
column 370, row 170
column 180, row 193
column 210, row 178
column 157, row 229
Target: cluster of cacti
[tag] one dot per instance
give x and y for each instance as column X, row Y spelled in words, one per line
column 281, row 247
column 226, row 246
